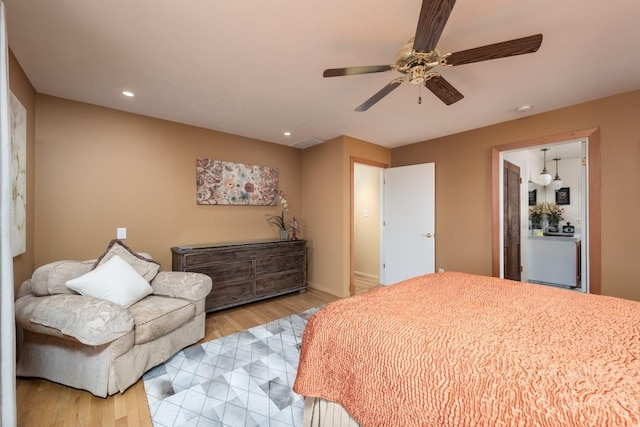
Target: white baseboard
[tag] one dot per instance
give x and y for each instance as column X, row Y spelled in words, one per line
column 367, row 276
column 322, row 288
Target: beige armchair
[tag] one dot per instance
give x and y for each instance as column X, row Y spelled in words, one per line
column 98, row 345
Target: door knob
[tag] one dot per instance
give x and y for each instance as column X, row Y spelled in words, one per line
column 428, row 235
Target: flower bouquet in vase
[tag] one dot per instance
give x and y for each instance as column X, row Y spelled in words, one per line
column 545, row 215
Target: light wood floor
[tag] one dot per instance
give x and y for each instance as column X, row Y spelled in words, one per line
column 364, row 284
column 43, row 403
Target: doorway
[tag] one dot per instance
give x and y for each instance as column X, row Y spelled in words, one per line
column 591, row 245
column 407, row 196
column 550, row 256
column 367, row 219
column 368, row 258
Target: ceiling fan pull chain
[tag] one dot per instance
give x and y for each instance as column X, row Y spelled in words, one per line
column 419, row 94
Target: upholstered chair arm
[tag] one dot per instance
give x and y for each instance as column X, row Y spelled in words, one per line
column 89, row 320
column 25, row 289
column 180, row 284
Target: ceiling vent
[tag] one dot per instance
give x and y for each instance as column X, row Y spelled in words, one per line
column 306, row 143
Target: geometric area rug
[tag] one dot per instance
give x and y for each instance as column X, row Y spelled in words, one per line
column 241, row 380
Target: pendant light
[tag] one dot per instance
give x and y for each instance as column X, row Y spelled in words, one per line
column 557, row 182
column 545, row 176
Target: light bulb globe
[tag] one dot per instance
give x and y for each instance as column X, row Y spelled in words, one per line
column 557, row 184
column 545, row 179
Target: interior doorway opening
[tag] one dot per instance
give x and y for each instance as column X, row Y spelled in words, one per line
column 552, row 220
column 406, row 246
column 367, row 220
column 587, row 217
column 366, row 224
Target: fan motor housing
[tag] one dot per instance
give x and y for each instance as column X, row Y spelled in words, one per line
column 416, row 74
column 416, row 64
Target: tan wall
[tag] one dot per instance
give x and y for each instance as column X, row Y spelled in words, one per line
column 323, row 204
column 463, row 186
column 327, row 208
column 99, row 169
column 366, row 197
column 22, row 89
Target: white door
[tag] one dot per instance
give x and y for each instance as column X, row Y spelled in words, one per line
column 408, row 237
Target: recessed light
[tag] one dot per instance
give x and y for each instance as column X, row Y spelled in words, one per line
column 524, row 108
column 287, row 133
column 127, row 93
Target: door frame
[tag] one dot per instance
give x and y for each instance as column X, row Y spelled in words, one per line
column 354, row 160
column 594, row 224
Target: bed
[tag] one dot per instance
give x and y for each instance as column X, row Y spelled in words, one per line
column 453, row 349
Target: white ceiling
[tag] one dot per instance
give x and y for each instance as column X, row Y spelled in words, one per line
column 254, row 68
column 565, row 150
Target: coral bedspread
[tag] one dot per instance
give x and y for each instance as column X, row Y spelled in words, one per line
column 453, row 349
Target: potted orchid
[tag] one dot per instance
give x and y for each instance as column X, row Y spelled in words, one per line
column 279, row 220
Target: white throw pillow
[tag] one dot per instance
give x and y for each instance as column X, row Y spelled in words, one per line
column 115, row 281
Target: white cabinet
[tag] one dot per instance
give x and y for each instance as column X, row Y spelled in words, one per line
column 554, row 260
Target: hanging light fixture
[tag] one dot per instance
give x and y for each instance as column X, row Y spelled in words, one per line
column 557, row 182
column 545, row 176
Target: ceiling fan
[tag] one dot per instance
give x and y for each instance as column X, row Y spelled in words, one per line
column 420, row 56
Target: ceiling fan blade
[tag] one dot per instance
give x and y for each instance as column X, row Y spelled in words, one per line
column 494, row 51
column 349, row 71
column 443, row 90
column 378, row 96
column 433, row 17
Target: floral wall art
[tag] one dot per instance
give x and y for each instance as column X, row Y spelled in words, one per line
column 18, row 129
column 227, row 183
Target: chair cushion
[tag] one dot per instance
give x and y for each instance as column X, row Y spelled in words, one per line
column 155, row 316
column 88, row 320
column 147, row 267
column 115, row 281
column 50, row 279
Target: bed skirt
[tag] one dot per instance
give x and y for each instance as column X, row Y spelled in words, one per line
column 323, row 413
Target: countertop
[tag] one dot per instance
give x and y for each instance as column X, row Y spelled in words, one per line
column 575, row 238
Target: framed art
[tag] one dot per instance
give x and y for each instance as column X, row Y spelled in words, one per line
column 533, row 197
column 563, row 196
column 226, row 183
column 18, row 134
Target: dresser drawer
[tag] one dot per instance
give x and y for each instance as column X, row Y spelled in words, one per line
column 227, row 272
column 280, row 283
column 279, row 264
column 229, row 294
column 200, row 258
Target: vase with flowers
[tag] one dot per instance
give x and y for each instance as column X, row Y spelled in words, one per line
column 554, row 214
column 545, row 215
column 279, row 220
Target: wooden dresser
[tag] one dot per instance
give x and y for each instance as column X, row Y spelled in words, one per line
column 246, row 271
